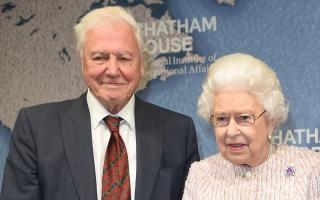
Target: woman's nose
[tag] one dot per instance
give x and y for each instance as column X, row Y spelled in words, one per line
column 233, row 128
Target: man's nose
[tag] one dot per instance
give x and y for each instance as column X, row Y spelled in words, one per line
column 112, row 66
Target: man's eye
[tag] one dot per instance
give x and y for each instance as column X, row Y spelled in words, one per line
column 125, row 59
column 100, row 57
column 97, row 58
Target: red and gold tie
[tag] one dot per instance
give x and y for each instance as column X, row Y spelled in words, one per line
column 115, row 178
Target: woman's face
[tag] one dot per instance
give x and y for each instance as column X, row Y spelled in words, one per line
column 240, row 142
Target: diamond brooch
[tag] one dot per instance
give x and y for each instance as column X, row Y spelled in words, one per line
column 290, row 171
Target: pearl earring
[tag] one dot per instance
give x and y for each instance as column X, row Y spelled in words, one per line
column 269, row 137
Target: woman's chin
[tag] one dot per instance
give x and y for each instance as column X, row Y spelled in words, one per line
column 238, row 159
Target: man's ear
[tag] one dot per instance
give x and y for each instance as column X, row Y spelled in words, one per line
column 143, row 64
column 82, row 62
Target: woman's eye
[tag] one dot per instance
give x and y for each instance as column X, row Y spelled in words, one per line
column 222, row 118
column 244, row 117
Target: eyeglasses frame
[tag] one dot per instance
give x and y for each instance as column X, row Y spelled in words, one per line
column 254, row 117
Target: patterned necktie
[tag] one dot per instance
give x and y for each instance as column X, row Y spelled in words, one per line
column 115, row 178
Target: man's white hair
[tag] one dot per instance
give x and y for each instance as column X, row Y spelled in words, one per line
column 108, row 14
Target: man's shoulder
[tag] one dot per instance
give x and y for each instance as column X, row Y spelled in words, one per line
column 51, row 107
column 157, row 110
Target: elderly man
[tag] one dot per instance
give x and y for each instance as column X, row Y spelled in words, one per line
column 108, row 143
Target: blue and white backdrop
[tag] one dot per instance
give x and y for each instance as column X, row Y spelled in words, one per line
column 38, row 61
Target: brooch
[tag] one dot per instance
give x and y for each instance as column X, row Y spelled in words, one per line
column 290, row 171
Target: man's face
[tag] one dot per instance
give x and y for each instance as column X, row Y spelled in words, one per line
column 112, row 64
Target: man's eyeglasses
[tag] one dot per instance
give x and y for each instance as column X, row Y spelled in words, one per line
column 242, row 119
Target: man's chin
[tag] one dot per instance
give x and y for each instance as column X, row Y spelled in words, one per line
column 113, row 99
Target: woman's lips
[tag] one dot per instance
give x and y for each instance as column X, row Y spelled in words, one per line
column 236, row 146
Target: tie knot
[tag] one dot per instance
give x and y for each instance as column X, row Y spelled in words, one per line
column 113, row 123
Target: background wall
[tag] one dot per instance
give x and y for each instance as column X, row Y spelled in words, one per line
column 38, row 61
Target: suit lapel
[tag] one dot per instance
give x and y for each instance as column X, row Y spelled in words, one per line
column 149, row 148
column 76, row 136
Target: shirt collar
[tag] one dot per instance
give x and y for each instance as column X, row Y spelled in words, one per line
column 98, row 112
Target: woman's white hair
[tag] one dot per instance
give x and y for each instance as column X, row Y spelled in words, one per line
column 246, row 72
column 108, row 14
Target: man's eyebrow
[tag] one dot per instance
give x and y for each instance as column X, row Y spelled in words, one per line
column 99, row 53
column 124, row 53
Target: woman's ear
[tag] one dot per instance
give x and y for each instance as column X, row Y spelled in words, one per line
column 271, row 126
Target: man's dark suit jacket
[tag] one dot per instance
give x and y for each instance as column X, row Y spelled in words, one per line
column 51, row 156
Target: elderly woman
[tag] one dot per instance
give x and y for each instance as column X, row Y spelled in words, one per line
column 243, row 100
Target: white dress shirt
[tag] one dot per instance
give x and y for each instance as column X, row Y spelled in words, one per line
column 101, row 136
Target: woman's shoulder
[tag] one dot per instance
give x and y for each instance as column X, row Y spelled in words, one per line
column 207, row 165
column 298, row 151
column 304, row 155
